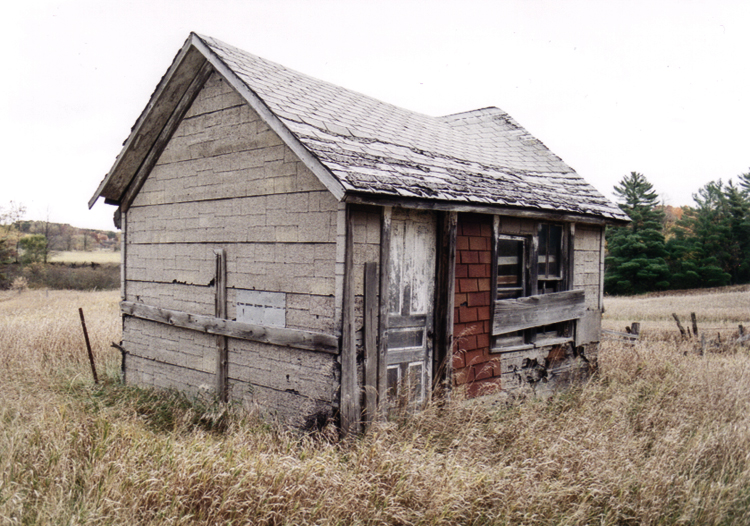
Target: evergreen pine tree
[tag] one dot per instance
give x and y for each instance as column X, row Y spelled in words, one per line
column 745, row 183
column 712, row 241
column 738, row 212
column 635, row 262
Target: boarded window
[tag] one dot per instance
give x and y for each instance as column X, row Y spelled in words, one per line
column 261, row 308
column 533, row 306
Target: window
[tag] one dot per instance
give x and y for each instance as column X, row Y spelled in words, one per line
column 511, row 280
column 533, row 306
column 550, row 277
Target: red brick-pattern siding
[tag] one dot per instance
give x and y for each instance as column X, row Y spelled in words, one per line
column 473, row 365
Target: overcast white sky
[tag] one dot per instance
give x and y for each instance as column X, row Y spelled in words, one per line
column 660, row 86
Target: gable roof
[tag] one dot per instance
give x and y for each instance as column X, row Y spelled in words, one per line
column 362, row 148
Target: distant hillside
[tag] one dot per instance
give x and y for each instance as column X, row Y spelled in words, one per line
column 65, row 238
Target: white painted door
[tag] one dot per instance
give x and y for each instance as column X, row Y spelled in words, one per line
column 411, row 298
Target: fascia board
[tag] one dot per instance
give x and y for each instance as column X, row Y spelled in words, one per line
column 134, row 136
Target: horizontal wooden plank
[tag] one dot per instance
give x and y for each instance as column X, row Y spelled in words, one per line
column 299, row 339
column 621, row 335
column 407, row 321
column 537, row 311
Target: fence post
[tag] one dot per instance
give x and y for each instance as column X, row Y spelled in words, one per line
column 679, row 325
column 88, row 345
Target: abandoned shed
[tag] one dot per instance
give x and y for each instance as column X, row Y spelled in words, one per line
column 320, row 254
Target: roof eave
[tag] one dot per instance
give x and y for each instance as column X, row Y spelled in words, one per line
column 367, row 198
column 146, row 127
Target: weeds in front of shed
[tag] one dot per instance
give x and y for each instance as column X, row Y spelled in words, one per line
column 161, row 410
column 660, row 436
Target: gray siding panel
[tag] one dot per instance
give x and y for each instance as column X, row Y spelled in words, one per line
column 225, row 180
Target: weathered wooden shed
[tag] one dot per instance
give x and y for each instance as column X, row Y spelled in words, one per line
column 321, row 254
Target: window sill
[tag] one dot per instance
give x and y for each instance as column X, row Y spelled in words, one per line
column 511, row 348
column 549, row 342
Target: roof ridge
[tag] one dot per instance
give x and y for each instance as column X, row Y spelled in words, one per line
column 488, row 111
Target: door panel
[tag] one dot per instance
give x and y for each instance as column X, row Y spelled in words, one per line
column 411, row 298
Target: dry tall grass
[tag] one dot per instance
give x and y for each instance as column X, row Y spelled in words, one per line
column 717, row 310
column 81, row 256
column 661, row 436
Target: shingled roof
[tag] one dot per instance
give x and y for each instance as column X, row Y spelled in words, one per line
column 360, row 146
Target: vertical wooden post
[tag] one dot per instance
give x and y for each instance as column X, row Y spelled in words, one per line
column 695, row 323
column 350, row 408
column 569, row 257
column 385, row 258
column 123, row 248
column 370, row 340
column 532, row 265
column 602, row 246
column 679, row 325
column 88, row 346
column 445, row 295
column 220, row 304
column 123, row 280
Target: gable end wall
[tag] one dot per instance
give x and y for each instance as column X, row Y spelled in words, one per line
column 226, row 181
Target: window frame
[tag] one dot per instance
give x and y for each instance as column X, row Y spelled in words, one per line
column 563, row 332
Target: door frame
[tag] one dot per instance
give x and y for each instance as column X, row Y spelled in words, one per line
column 443, row 309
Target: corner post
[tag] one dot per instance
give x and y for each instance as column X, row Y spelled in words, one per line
column 445, row 295
column 350, row 406
column 385, row 269
column 220, row 300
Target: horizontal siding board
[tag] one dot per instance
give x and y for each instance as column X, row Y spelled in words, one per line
column 312, row 375
column 287, row 406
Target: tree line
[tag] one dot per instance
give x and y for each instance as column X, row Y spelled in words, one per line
column 25, row 243
column 708, row 245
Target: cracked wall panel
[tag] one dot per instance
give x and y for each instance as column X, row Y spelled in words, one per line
column 309, row 374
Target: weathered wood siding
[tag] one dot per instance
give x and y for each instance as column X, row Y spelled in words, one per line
column 366, row 245
column 589, row 275
column 225, row 180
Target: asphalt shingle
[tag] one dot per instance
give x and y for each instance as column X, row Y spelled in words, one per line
column 481, row 156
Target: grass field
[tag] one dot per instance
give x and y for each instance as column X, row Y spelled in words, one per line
column 660, row 436
column 717, row 310
column 79, row 256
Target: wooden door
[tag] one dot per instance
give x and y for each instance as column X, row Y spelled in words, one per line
column 411, row 298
